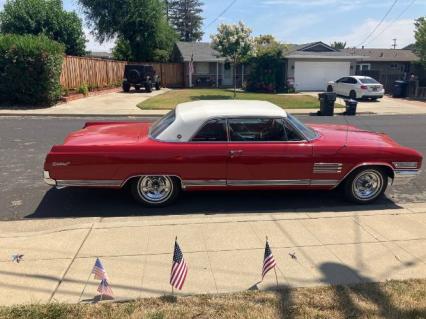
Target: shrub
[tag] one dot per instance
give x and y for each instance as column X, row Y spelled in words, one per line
column 83, row 89
column 30, row 68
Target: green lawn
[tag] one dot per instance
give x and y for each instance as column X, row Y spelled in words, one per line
column 170, row 99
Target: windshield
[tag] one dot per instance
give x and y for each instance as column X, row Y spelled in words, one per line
column 309, row 133
column 368, row 81
column 163, row 123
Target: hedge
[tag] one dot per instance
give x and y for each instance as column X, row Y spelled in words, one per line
column 30, row 68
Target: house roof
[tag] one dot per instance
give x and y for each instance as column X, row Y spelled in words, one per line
column 203, row 52
column 384, row 55
column 315, row 50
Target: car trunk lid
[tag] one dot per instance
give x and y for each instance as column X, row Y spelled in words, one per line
column 108, row 133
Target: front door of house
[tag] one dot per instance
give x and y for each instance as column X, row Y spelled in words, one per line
column 228, row 72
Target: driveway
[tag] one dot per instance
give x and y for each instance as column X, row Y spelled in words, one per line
column 117, row 104
column 386, row 106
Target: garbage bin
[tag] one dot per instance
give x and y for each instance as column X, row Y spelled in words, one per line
column 400, row 88
column 327, row 100
column 350, row 107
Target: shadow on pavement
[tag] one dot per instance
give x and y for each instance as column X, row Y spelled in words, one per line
column 75, row 202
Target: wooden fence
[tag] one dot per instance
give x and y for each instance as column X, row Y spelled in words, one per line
column 100, row 73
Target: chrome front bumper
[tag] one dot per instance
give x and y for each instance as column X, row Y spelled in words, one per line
column 48, row 180
column 404, row 176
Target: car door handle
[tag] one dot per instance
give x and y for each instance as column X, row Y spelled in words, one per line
column 235, row 153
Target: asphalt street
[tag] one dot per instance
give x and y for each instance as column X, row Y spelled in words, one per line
column 24, row 142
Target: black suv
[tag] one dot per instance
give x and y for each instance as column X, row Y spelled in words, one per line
column 139, row 75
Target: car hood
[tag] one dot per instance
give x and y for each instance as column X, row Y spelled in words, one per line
column 108, row 133
column 340, row 135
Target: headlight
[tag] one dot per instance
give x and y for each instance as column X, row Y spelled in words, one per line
column 405, row 164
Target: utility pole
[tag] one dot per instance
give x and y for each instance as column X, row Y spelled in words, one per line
column 394, row 44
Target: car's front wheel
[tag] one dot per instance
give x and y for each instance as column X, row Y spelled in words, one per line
column 155, row 191
column 126, row 87
column 365, row 185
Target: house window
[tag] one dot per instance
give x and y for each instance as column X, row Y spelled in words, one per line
column 365, row 67
column 202, row 68
column 394, row 66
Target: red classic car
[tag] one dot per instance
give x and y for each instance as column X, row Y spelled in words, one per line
column 227, row 145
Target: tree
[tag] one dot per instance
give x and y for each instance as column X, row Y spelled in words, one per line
column 420, row 36
column 185, row 18
column 266, row 72
column 234, row 42
column 44, row 17
column 338, row 45
column 140, row 23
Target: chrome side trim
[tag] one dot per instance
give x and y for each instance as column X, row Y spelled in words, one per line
column 324, row 182
column 89, row 183
column 203, row 183
column 293, row 182
column 404, row 176
column 327, row 168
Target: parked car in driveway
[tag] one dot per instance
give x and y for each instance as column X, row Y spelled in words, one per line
column 138, row 75
column 357, row 87
column 228, row 145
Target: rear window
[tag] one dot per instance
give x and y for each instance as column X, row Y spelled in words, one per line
column 163, row 123
column 368, row 81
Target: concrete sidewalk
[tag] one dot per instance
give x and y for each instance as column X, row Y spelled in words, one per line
column 224, row 252
column 110, row 104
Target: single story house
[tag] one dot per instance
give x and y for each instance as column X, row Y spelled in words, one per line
column 210, row 70
column 385, row 65
column 308, row 67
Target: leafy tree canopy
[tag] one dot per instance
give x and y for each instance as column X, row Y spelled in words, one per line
column 338, row 45
column 46, row 17
column 420, row 36
column 185, row 18
column 141, row 24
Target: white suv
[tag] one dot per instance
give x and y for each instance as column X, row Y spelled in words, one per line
column 357, row 87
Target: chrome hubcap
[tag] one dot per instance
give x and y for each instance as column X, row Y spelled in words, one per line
column 155, row 189
column 367, row 185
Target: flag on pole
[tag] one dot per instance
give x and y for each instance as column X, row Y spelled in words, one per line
column 179, row 268
column 191, row 65
column 268, row 260
column 99, row 270
column 105, row 289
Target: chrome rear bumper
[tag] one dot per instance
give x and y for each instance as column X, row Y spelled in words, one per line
column 48, row 180
column 404, row 176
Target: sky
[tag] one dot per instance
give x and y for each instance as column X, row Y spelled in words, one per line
column 303, row 21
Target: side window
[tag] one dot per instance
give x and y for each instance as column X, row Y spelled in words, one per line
column 212, row 131
column 341, row 80
column 256, row 130
column 353, row 81
column 292, row 134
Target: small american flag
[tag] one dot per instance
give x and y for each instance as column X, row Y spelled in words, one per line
column 179, row 268
column 105, row 289
column 191, row 65
column 99, row 270
column 268, row 261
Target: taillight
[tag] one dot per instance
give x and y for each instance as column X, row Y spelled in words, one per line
column 364, row 87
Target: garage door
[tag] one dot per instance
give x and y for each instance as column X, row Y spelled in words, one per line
column 313, row 76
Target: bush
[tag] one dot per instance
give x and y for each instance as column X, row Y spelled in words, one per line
column 30, row 68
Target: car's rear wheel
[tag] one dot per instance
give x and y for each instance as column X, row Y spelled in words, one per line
column 155, row 191
column 126, row 87
column 352, row 95
column 365, row 185
column 329, row 88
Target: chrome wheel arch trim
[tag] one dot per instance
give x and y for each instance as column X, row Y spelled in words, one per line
column 125, row 181
column 383, row 164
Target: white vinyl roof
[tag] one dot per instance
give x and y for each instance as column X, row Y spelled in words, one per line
column 191, row 116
